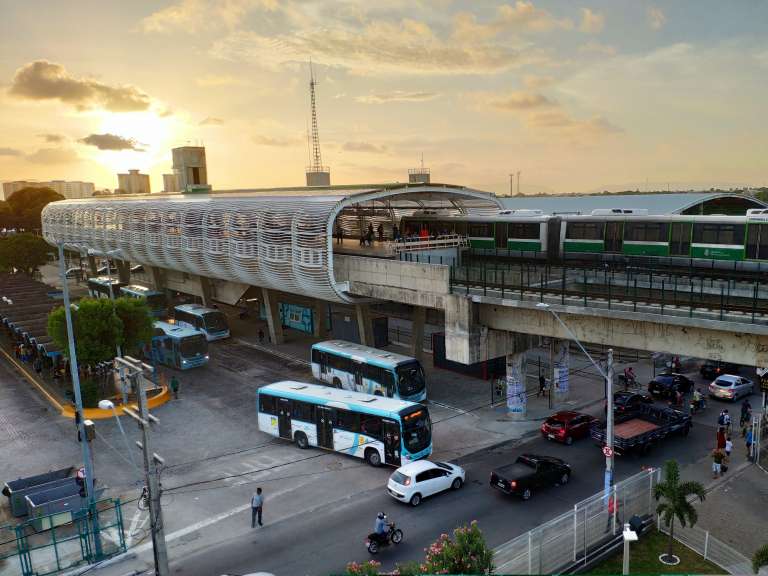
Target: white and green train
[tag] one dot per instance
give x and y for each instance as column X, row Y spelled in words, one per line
column 610, row 233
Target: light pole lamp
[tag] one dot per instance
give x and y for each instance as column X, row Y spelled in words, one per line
column 109, row 405
column 629, row 535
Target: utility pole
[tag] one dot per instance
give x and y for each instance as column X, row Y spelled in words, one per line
column 608, row 450
column 136, row 369
column 512, row 184
column 518, row 181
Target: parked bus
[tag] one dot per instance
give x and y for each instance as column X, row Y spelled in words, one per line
column 364, row 369
column 378, row 429
column 154, row 298
column 209, row 321
column 178, row 346
column 98, row 287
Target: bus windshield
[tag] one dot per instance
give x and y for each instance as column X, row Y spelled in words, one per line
column 192, row 346
column 410, row 379
column 156, row 301
column 215, row 321
column 417, row 428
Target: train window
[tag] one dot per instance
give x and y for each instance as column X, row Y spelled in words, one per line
column 460, row 228
column 480, row 229
column 646, row 232
column 584, row 230
column 523, row 230
column 757, row 241
column 706, row 233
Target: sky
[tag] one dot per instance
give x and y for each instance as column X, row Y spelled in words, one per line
column 576, row 96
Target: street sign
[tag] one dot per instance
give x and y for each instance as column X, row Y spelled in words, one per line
column 761, row 371
column 608, row 451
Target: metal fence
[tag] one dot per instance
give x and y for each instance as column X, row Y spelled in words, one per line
column 710, row 548
column 574, row 538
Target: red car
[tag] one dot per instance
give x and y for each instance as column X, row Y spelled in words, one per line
column 567, row 426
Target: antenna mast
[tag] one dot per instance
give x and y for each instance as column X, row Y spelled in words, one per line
column 317, row 161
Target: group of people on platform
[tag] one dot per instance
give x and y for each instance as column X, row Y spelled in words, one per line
column 369, row 235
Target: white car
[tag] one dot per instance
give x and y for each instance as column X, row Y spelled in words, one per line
column 730, row 387
column 418, row 480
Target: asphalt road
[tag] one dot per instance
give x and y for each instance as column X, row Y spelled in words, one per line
column 325, row 540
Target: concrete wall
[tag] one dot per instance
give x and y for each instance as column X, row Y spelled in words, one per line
column 221, row 290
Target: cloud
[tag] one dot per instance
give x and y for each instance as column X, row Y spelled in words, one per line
column 263, row 140
column 525, row 15
column 211, row 121
column 519, row 100
column 52, row 138
column 536, row 82
column 110, row 142
column 594, row 47
column 591, row 22
column 363, row 147
column 10, row 152
column 217, row 80
column 43, row 80
column 396, row 96
column 194, row 15
column 53, row 156
column 656, row 18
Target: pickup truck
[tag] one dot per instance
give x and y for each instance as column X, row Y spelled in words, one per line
column 528, row 473
column 640, row 429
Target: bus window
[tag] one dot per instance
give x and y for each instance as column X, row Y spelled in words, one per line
column 410, row 379
column 214, row 321
column 417, row 429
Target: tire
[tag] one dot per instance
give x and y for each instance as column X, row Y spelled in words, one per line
column 527, row 494
column 373, row 548
column 568, row 440
column 336, row 383
column 564, row 479
column 373, row 457
column 415, row 499
column 686, row 430
column 301, row 440
column 397, row 536
column 456, row 484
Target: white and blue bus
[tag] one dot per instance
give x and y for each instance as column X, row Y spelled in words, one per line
column 98, row 287
column 178, row 346
column 364, row 369
column 154, row 298
column 209, row 321
column 377, row 429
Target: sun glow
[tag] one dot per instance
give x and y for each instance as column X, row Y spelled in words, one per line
column 152, row 136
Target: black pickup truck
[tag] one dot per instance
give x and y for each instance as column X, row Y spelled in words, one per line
column 530, row 472
column 640, row 429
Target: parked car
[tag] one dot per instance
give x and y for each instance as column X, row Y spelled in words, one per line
column 667, row 384
column 74, row 273
column 102, row 271
column 529, row 473
column 418, row 480
column 624, row 402
column 711, row 369
column 567, row 426
column 731, row 387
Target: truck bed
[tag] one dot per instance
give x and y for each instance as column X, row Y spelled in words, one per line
column 632, row 428
column 643, row 428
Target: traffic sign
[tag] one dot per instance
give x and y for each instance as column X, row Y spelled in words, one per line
column 608, row 451
column 761, row 371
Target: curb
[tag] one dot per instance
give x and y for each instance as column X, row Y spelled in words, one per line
column 48, row 396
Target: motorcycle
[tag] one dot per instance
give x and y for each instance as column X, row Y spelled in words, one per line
column 393, row 536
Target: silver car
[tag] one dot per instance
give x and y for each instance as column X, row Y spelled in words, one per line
column 730, row 387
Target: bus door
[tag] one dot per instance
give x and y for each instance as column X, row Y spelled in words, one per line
column 284, row 418
column 323, row 357
column 392, row 441
column 324, row 419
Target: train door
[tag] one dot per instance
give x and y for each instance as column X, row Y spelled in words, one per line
column 680, row 239
column 324, row 418
column 284, row 418
column 501, row 234
column 614, row 236
column 553, row 239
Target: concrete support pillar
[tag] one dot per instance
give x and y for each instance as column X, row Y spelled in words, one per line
column 206, row 291
column 123, row 271
column 561, row 366
column 320, row 319
column 272, row 309
column 417, row 332
column 517, row 398
column 92, row 266
column 364, row 324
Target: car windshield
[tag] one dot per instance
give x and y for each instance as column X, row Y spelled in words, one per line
column 554, row 423
column 399, row 478
column 193, row 346
column 215, row 321
column 417, row 428
column 410, row 379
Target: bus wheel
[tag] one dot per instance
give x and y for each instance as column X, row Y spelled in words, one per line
column 301, row 440
column 372, row 457
column 336, row 383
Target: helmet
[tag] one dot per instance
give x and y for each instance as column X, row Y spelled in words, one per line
column 381, row 515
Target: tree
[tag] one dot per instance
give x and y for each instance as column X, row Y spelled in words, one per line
column 675, row 503
column 137, row 323
column 97, row 330
column 6, row 215
column 28, row 203
column 24, row 252
column 467, row 553
column 760, row 558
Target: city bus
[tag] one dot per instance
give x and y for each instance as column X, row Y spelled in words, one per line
column 364, row 369
column 379, row 430
column 209, row 321
column 154, row 298
column 178, row 346
column 98, row 287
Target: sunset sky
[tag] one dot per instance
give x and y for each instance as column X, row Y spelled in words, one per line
column 579, row 96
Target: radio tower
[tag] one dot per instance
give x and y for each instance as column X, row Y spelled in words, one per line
column 317, row 174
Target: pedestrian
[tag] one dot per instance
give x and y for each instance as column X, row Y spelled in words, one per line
column 362, row 238
column 748, row 443
column 728, row 447
column 17, row 351
column 380, row 232
column 542, row 386
column 746, row 412
column 613, row 510
column 261, row 336
column 727, row 420
column 257, row 504
column 339, row 234
column 175, row 386
column 38, row 365
column 717, row 462
column 721, row 439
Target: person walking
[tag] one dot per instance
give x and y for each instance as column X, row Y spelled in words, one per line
column 257, row 504
column 746, row 412
column 175, row 386
column 717, row 462
column 380, row 232
column 261, row 336
column 613, row 510
column 728, row 447
column 721, row 441
column 748, row 442
column 339, row 234
column 542, row 386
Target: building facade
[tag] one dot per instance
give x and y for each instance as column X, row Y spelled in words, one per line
column 189, row 167
column 170, row 184
column 133, row 183
column 70, row 190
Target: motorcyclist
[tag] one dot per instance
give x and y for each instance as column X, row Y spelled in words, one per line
column 629, row 376
column 697, row 400
column 380, row 526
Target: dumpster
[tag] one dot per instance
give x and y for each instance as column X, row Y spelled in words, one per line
column 17, row 490
column 56, row 506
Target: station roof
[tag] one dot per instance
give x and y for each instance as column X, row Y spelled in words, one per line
column 656, row 204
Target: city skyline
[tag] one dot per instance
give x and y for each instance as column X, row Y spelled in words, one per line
column 576, row 96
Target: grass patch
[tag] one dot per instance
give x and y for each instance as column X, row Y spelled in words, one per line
column 644, row 558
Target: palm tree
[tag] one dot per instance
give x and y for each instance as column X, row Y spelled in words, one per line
column 760, row 558
column 675, row 502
